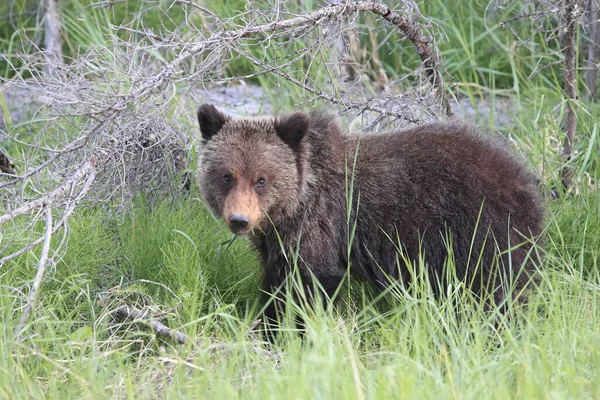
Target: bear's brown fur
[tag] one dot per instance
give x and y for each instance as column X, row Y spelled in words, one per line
column 284, row 181
column 6, row 166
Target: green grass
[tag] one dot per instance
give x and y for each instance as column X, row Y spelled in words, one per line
column 174, row 258
column 413, row 346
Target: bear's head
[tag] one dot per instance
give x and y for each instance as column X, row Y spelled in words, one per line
column 251, row 169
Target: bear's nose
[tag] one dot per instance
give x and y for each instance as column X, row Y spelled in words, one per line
column 238, row 222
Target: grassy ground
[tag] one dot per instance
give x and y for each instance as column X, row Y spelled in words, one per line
column 412, row 346
column 175, row 259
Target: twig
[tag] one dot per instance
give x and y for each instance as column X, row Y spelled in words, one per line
column 31, row 299
column 74, row 145
column 68, row 211
column 57, row 193
column 180, row 362
column 135, row 315
column 543, row 13
column 421, row 43
column 86, row 171
column 202, row 9
column 363, row 106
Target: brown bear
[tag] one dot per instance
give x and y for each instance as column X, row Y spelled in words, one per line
column 299, row 185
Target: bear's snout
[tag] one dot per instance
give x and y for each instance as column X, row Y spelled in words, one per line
column 238, row 222
column 242, row 209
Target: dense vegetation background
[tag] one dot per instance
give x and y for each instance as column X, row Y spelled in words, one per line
column 167, row 254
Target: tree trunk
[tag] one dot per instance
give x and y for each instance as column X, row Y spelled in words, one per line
column 571, row 13
column 591, row 74
column 52, row 39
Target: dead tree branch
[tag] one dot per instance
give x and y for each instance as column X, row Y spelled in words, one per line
column 32, row 298
column 86, row 170
column 134, row 315
column 223, row 39
column 348, row 105
column 69, row 208
column 422, row 45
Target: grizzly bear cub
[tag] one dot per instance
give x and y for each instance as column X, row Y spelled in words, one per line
column 286, row 182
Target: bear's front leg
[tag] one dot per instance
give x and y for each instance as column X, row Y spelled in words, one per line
column 299, row 283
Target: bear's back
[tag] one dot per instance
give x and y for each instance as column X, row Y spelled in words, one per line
column 441, row 164
column 438, row 183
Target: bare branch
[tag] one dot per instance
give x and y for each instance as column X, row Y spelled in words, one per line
column 348, row 105
column 32, row 298
column 423, row 48
column 68, row 211
column 134, row 315
column 56, row 194
column 223, row 38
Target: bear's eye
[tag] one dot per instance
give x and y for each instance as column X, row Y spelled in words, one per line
column 260, row 182
column 227, row 179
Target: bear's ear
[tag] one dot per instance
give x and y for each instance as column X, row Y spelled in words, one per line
column 211, row 120
column 291, row 129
